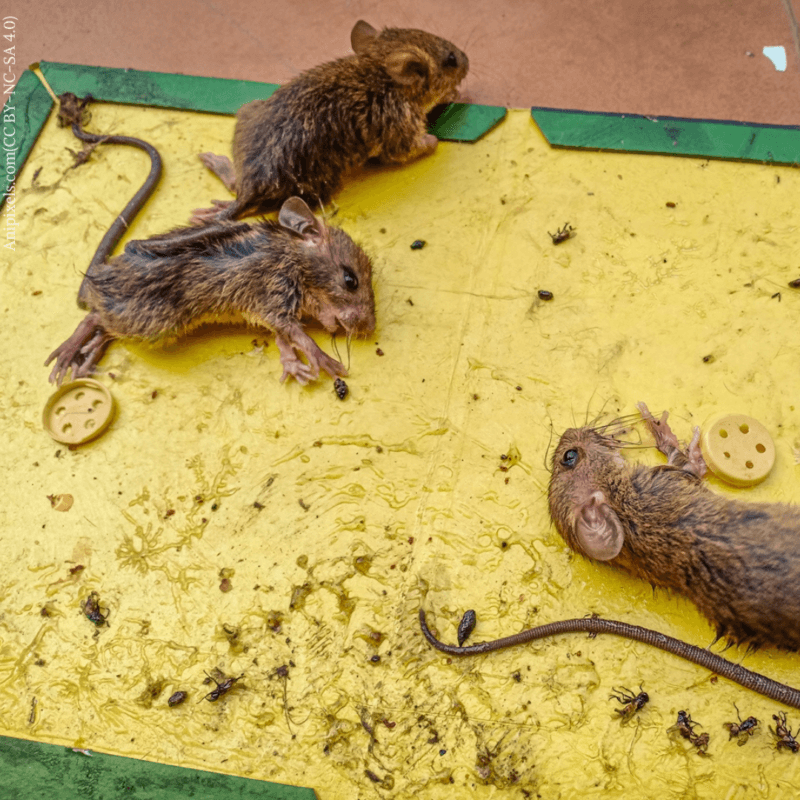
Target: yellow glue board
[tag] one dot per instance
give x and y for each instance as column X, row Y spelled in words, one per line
column 335, row 521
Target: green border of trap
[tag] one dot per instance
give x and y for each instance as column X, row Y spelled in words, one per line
column 34, row 769
column 671, row 136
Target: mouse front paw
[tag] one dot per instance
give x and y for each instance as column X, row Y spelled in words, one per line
column 295, row 368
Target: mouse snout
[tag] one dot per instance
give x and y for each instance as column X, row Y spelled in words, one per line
column 357, row 319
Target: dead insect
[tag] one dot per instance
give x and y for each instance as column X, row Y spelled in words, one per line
column 632, row 703
column 783, row 734
column 94, row 611
column 466, row 626
column 684, row 725
column 222, row 688
column 701, row 743
column 418, row 244
column 545, row 295
column 741, row 729
column 562, row 234
column 177, row 699
column 341, row 388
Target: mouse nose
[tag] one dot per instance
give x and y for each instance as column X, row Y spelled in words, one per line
column 358, row 321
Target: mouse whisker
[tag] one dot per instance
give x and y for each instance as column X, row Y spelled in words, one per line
column 335, row 346
column 623, row 419
column 547, row 451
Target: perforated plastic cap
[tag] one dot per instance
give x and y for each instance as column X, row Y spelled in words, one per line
column 78, row 411
column 738, row 449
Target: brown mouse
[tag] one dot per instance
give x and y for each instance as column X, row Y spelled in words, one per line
column 333, row 118
column 268, row 273
column 738, row 562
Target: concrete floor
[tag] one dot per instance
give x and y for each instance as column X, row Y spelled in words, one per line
column 696, row 59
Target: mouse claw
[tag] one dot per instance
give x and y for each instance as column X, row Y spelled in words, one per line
column 667, row 442
column 81, row 352
column 296, row 369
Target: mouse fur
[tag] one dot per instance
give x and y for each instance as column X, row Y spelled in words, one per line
column 738, row 562
column 333, row 118
column 269, row 273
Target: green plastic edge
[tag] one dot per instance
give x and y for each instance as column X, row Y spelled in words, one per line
column 162, row 89
column 32, row 769
column 24, row 113
column 631, row 133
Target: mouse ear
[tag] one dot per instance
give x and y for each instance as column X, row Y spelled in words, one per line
column 361, row 36
column 296, row 216
column 408, row 67
column 598, row 529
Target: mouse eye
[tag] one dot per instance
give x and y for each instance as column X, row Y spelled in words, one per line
column 451, row 60
column 570, row 458
column 350, row 279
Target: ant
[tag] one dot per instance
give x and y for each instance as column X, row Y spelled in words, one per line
column 562, row 234
column 784, row 735
column 743, row 729
column 222, row 688
column 685, row 727
column 632, row 703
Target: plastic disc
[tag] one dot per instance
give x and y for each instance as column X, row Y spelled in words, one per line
column 738, row 449
column 78, row 411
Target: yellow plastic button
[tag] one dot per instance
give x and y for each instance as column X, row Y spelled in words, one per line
column 78, row 411
column 738, row 449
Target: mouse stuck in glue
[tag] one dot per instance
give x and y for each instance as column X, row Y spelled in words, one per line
column 738, row 562
column 334, row 118
column 268, row 273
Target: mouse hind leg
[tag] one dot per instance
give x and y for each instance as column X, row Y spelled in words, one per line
column 81, row 352
column 667, row 442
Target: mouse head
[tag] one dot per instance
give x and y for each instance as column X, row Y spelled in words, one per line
column 583, row 462
column 337, row 273
column 428, row 69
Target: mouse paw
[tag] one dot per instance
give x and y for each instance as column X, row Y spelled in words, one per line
column 81, row 352
column 425, row 145
column 296, row 369
column 330, row 365
column 697, row 464
column 203, row 216
column 222, row 167
column 690, row 461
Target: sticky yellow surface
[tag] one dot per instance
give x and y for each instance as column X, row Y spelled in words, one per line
column 334, row 522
